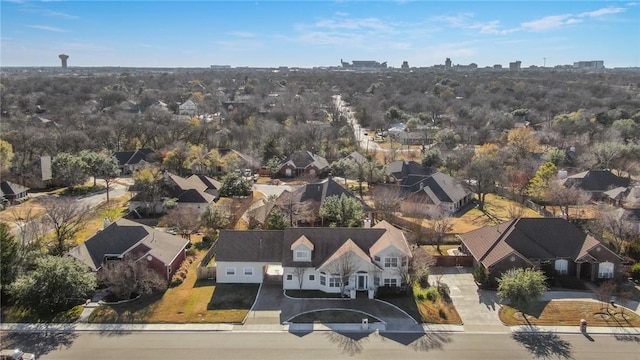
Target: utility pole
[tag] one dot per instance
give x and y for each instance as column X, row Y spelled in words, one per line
column 544, row 63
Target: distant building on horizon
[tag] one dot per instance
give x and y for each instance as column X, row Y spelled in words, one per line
column 447, row 64
column 515, row 66
column 405, row 65
column 363, row 65
column 592, row 65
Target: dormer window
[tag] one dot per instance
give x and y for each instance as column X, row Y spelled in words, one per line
column 302, row 249
column 301, row 255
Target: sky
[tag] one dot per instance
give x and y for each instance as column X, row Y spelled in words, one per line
column 318, row 33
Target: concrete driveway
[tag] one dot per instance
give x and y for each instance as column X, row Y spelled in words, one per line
column 273, row 307
column 477, row 308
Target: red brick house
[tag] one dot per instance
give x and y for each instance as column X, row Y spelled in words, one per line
column 161, row 251
column 303, row 163
column 534, row 242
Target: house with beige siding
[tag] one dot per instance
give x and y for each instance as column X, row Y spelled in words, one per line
column 326, row 259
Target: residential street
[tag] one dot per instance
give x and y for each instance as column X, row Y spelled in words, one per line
column 323, row 345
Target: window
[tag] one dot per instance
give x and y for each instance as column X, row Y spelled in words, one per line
column 323, row 280
column 605, row 270
column 376, row 258
column 391, row 282
column 301, row 255
column 334, row 281
column 231, row 271
column 391, row 262
column 376, row 281
column 404, row 261
column 289, row 277
column 248, row 271
column 312, row 277
column 561, row 266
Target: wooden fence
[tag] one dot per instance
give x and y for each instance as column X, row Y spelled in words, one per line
column 206, row 272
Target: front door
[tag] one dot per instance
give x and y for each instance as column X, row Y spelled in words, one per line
column 362, row 282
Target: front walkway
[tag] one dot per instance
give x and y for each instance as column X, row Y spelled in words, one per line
column 478, row 308
column 273, row 307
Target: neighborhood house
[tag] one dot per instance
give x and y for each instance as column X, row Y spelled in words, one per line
column 315, row 258
column 163, row 252
column 535, row 242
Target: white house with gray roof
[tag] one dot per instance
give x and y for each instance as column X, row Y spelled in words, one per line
column 315, row 258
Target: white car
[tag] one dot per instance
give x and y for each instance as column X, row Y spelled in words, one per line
column 16, row 355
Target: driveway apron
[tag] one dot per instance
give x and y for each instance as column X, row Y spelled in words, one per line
column 272, row 307
column 478, row 308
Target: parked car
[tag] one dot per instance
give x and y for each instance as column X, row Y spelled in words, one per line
column 15, row 354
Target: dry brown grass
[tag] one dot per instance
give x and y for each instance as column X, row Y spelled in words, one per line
column 115, row 209
column 193, row 301
column 569, row 313
column 432, row 249
column 497, row 209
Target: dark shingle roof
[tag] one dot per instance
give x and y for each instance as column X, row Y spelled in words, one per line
column 249, row 245
column 123, row 235
column 532, row 238
column 597, row 180
column 401, row 169
column 319, row 191
column 12, row 189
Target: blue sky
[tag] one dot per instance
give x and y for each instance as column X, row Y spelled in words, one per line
column 318, row 33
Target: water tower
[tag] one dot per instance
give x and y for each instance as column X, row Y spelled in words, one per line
column 64, row 58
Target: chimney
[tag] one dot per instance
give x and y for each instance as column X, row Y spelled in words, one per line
column 105, row 223
column 367, row 223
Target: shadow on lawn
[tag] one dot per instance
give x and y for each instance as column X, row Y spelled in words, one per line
column 134, row 312
column 233, row 296
column 543, row 344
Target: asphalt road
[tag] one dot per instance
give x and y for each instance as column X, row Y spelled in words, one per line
column 321, row 345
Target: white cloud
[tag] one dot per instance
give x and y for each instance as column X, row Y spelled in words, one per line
column 354, row 24
column 603, row 11
column 550, row 22
column 457, row 21
column 46, row 28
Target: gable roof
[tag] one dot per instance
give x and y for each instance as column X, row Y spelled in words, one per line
column 392, row 237
column 317, row 192
column 211, row 184
column 302, row 241
column 303, row 159
column 530, row 238
column 132, row 157
column 276, row 245
column 122, row 236
column 443, row 188
column 597, row 180
column 403, row 168
column 12, row 189
column 357, row 157
column 347, row 247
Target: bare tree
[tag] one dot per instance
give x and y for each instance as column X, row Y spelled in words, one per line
column 67, row 217
column 442, row 224
column 515, row 211
column 386, row 199
column 343, row 267
column 564, row 197
column 186, row 220
column 618, row 227
column 299, row 272
column 605, row 292
column 130, row 275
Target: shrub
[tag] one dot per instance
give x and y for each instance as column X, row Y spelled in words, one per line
column 443, row 289
column 569, row 282
column 390, row 291
column 442, row 314
column 432, row 294
column 635, row 271
column 480, row 275
column 192, row 251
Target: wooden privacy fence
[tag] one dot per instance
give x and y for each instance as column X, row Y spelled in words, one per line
column 206, row 272
column 456, row 260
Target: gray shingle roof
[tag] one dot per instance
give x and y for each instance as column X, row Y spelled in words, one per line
column 122, row 236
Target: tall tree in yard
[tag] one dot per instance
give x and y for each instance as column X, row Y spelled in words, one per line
column 128, row 276
column 67, row 217
column 539, row 185
column 482, row 174
column 8, row 256
column 343, row 267
column 521, row 286
column 69, row 170
column 342, row 211
column 101, row 166
column 55, row 283
column 442, row 224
